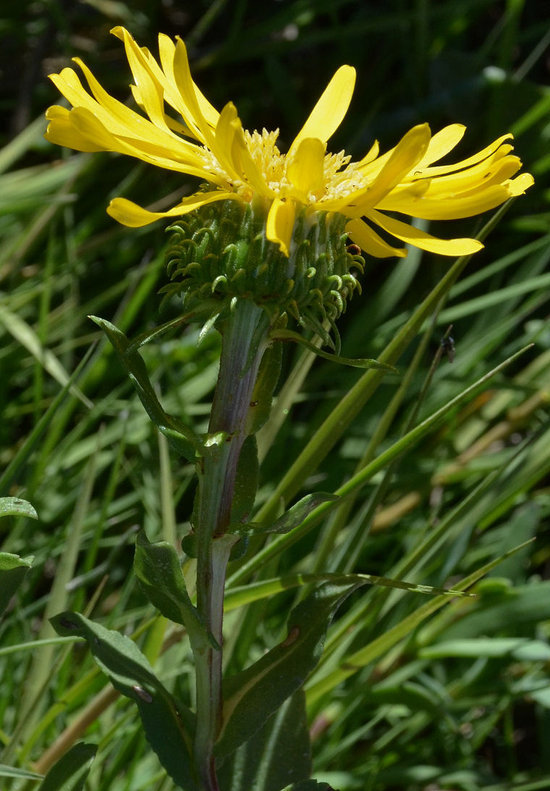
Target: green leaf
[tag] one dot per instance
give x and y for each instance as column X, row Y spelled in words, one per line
column 168, row 725
column 296, row 515
column 287, row 522
column 12, row 572
column 360, row 362
column 277, row 754
column 158, row 570
column 268, row 376
column 182, row 439
column 382, row 644
column 512, row 647
column 71, row 771
column 12, row 771
column 366, row 473
column 251, row 696
column 27, row 337
column 308, row 785
column 246, row 481
column 14, row 506
column 255, row 591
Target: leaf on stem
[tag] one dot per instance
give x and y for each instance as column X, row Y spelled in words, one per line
column 158, row 570
column 358, row 362
column 168, row 725
column 266, row 381
column 182, row 439
column 276, row 755
column 71, row 771
column 253, row 695
column 287, row 522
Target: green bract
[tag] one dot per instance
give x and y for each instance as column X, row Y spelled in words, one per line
column 221, row 251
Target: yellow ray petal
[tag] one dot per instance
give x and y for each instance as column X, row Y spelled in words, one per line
column 521, row 183
column 370, row 156
column 280, row 223
column 129, row 213
column 407, row 153
column 148, row 90
column 86, row 126
column 62, row 131
column 466, row 163
column 495, row 169
column 450, row 208
column 176, row 67
column 305, row 171
column 425, row 241
column 329, row 112
column 369, row 241
column 441, row 143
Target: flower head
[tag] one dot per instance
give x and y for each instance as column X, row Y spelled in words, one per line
column 178, row 129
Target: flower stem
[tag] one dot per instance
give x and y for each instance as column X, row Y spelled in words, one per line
column 244, row 340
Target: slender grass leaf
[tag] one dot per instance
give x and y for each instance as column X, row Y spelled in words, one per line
column 71, row 771
column 381, row 645
column 275, row 755
column 513, row 647
column 31, row 442
column 23, row 774
column 366, row 473
column 254, row 591
column 27, row 337
column 168, row 725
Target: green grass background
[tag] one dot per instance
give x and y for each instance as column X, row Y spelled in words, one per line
column 463, row 700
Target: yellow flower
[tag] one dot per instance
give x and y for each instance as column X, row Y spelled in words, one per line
column 241, row 165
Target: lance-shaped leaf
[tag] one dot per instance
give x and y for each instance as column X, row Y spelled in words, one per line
column 354, row 362
column 276, row 755
column 251, row 696
column 268, row 376
column 182, row 439
column 168, row 725
column 246, row 481
column 158, row 570
column 296, row 515
column 71, row 771
column 12, row 571
column 287, row 522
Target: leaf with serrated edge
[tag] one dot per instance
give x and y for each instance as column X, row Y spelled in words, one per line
column 71, row 771
column 168, row 726
column 158, row 570
column 257, row 692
